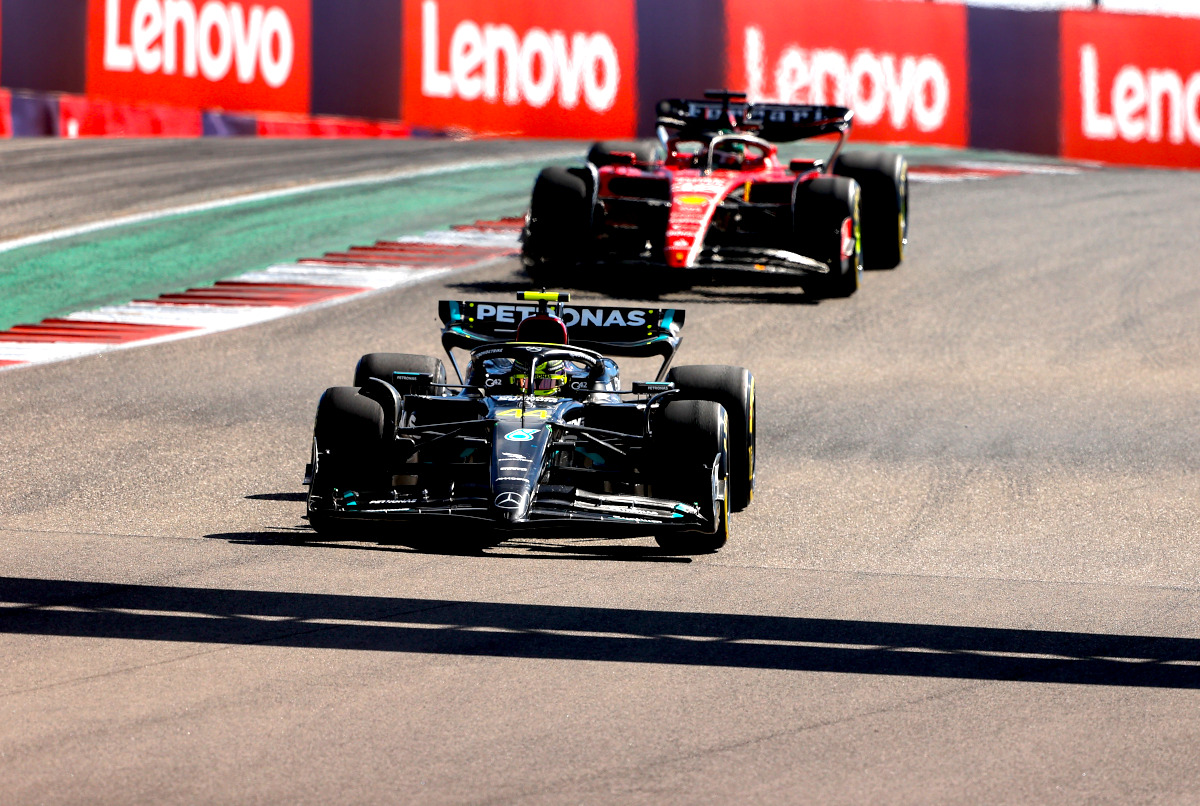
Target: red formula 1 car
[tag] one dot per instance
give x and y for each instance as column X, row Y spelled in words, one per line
column 710, row 199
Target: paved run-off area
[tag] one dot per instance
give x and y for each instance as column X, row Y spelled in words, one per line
column 970, row 574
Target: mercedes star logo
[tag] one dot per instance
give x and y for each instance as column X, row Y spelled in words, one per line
column 510, row 500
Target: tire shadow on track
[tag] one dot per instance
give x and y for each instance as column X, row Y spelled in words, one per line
column 511, row 630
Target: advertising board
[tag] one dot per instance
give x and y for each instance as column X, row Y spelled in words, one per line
column 900, row 66
column 1131, row 88
column 201, row 53
column 536, row 68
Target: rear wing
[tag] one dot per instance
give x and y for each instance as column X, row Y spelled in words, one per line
column 631, row 332
column 779, row 123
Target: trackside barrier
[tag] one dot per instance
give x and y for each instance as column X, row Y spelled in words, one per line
column 27, row 114
column 1081, row 84
column 85, row 117
column 34, row 115
column 1130, row 89
column 901, row 66
column 280, row 125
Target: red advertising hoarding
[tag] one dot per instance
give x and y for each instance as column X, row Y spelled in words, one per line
column 535, row 68
column 1131, row 88
column 201, row 53
column 902, row 67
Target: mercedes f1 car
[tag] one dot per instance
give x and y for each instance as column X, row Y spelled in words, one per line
column 539, row 432
column 711, row 198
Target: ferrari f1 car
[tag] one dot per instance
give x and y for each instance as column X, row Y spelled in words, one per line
column 539, row 432
column 711, row 198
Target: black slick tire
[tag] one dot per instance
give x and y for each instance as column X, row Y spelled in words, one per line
column 827, row 227
column 692, row 441
column 558, row 233
column 883, row 178
column 348, row 448
column 384, row 365
column 733, row 388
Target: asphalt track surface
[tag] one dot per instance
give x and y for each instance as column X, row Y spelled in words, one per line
column 970, row 573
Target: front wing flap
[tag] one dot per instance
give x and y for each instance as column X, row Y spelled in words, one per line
column 553, row 506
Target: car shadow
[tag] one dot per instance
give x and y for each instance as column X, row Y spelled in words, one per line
column 516, row 548
column 346, row 622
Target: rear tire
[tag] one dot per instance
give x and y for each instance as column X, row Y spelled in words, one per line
column 827, row 227
column 884, row 181
column 733, row 388
column 693, row 441
column 383, row 365
column 558, row 235
column 645, row 152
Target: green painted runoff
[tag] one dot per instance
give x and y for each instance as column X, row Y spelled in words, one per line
column 171, row 254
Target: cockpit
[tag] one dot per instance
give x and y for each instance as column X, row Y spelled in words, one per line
column 720, row 153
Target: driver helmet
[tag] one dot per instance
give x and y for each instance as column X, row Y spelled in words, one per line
column 728, row 155
column 548, row 381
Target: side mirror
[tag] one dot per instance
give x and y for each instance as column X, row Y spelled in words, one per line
column 622, row 158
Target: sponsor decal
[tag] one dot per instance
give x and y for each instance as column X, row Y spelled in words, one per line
column 521, row 434
column 694, row 184
column 1125, row 97
column 900, row 66
column 692, row 199
column 219, row 53
column 538, row 67
column 514, row 457
column 600, row 317
column 510, row 500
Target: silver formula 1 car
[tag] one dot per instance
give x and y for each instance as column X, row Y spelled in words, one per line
column 538, row 432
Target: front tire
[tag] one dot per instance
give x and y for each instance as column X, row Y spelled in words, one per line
column 827, row 227
column 733, row 388
column 693, row 437
column 348, row 449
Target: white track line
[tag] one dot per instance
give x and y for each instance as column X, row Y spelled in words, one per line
column 267, row 195
column 317, row 274
column 473, row 237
